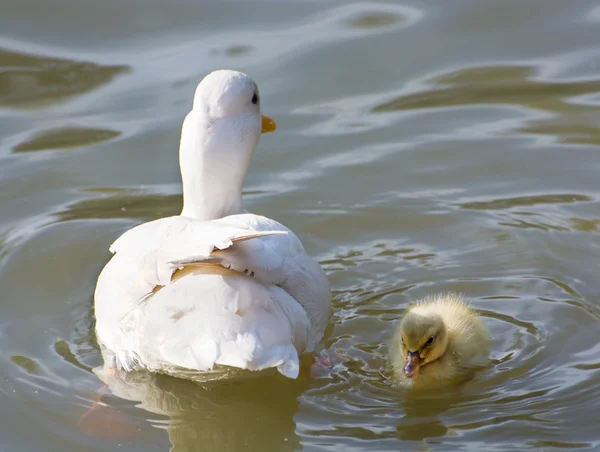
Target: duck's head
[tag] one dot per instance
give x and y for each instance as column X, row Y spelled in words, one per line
column 232, row 97
column 218, row 138
column 424, row 339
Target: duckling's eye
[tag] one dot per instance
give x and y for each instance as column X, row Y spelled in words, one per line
column 430, row 340
column 254, row 99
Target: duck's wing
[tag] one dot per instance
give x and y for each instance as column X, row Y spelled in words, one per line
column 281, row 260
column 277, row 258
column 162, row 246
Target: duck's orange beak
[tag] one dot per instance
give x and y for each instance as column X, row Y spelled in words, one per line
column 413, row 362
column 268, row 125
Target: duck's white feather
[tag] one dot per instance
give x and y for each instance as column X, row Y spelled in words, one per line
column 159, row 247
column 265, row 303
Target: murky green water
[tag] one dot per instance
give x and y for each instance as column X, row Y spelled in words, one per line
column 421, row 147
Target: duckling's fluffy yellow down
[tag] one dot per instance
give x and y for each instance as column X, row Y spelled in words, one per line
column 439, row 341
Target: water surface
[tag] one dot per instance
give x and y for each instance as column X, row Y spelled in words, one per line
column 421, row 147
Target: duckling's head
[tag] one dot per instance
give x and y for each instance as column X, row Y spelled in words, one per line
column 424, row 339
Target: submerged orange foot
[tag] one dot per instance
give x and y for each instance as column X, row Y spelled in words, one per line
column 315, row 366
column 105, row 422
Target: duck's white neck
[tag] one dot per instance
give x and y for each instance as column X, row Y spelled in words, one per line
column 213, row 166
column 206, row 196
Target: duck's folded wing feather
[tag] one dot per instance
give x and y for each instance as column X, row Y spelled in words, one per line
column 160, row 247
column 281, row 260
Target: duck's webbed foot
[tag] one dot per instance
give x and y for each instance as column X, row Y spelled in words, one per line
column 102, row 420
column 318, row 365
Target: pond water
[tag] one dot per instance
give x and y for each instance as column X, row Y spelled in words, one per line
column 421, row 147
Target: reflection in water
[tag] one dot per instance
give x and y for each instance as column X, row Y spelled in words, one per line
column 62, row 138
column 572, row 120
column 124, row 204
column 257, row 414
column 523, row 201
column 506, row 85
column 27, row 364
column 543, row 212
column 238, row 50
column 381, row 19
column 127, row 203
column 30, row 80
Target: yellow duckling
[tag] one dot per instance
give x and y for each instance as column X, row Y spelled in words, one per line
column 439, row 341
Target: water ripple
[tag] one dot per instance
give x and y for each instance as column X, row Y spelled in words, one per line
column 34, row 81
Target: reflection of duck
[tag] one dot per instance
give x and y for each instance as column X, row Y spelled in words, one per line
column 255, row 414
column 439, row 341
column 215, row 286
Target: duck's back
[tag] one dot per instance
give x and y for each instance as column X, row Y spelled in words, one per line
column 187, row 294
column 209, row 318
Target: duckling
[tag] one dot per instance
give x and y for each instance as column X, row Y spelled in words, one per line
column 439, row 341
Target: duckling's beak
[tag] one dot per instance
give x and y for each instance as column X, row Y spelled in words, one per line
column 413, row 361
column 268, row 125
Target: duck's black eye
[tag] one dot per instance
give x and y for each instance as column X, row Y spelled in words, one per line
column 430, row 341
column 254, row 99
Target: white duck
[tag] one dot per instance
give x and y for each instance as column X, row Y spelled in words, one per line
column 215, row 286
